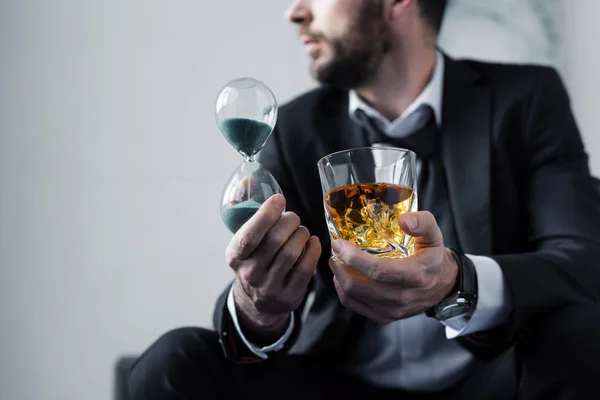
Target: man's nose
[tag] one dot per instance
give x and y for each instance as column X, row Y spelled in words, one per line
column 299, row 12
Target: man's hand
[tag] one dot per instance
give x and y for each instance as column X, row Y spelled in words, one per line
column 274, row 259
column 386, row 290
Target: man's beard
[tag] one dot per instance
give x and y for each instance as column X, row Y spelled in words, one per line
column 356, row 57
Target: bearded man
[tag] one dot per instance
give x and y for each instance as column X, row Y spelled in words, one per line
column 507, row 236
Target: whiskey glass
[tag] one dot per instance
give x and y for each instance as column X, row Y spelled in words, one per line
column 365, row 191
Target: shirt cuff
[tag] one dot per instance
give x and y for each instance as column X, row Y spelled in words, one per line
column 494, row 303
column 259, row 351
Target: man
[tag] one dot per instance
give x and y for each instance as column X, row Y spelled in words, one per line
column 509, row 235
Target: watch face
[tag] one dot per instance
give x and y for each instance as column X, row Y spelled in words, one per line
column 461, row 305
column 453, row 311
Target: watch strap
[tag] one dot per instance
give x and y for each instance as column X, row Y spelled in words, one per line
column 467, row 273
column 463, row 300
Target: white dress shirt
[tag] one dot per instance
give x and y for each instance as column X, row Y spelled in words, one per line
column 416, row 353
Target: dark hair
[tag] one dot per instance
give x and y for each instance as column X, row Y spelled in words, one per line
column 433, row 12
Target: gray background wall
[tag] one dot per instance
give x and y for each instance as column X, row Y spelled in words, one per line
column 111, row 170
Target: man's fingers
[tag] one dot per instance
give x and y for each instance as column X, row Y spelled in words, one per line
column 287, row 256
column 276, row 238
column 358, row 306
column 254, row 270
column 374, row 267
column 423, row 226
column 244, row 189
column 249, row 236
column 355, row 283
column 301, row 273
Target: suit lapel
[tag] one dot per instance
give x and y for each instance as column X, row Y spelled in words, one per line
column 466, row 122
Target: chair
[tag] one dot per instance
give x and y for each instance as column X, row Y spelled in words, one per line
column 122, row 368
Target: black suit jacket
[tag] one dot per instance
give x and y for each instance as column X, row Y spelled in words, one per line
column 519, row 188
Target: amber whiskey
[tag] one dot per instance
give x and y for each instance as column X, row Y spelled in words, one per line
column 366, row 214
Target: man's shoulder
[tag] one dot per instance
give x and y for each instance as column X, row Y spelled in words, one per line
column 503, row 74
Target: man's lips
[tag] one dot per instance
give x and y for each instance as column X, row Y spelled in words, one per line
column 311, row 45
column 308, row 39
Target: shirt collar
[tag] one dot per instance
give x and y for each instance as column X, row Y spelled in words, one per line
column 431, row 96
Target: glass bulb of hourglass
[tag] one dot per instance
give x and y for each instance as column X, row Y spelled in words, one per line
column 248, row 188
column 246, row 112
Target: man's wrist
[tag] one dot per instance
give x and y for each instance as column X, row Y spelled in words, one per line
column 494, row 303
column 261, row 350
column 260, row 329
column 459, row 302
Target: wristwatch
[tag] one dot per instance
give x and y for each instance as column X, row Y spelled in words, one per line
column 463, row 301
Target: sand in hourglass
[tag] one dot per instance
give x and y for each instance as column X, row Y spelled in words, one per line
column 246, row 135
column 237, row 215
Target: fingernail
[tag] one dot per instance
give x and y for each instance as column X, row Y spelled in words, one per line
column 411, row 221
column 279, row 201
column 336, row 246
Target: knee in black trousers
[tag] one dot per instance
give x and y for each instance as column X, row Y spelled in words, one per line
column 560, row 357
column 189, row 363
column 177, row 365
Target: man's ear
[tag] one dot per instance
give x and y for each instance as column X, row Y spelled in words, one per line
column 395, row 9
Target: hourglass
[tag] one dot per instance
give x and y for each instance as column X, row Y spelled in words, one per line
column 246, row 112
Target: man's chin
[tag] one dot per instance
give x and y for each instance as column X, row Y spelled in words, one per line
column 315, row 69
